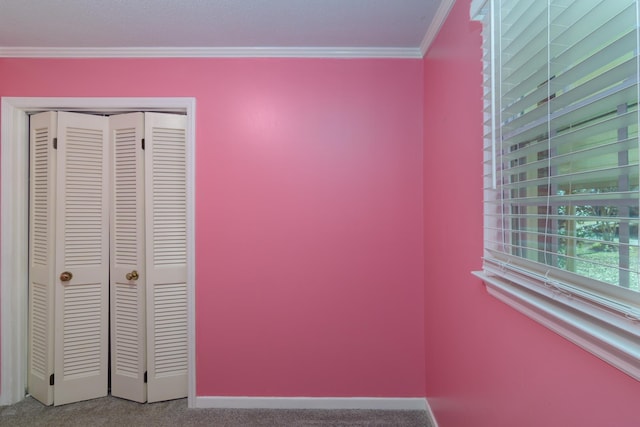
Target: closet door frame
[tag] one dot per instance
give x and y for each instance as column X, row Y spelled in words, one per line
column 14, row 196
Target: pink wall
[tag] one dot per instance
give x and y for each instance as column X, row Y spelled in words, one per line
column 486, row 364
column 309, row 214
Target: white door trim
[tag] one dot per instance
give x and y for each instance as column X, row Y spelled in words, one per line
column 14, row 196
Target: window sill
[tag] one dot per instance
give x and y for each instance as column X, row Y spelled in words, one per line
column 609, row 336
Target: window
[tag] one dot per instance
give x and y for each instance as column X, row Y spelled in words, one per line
column 562, row 170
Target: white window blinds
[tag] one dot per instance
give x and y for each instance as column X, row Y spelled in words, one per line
column 562, row 189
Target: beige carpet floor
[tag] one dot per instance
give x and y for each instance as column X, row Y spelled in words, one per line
column 110, row 411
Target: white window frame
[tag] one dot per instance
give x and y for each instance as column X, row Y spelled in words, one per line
column 593, row 321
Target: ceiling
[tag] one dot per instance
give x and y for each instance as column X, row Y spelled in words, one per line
column 368, row 27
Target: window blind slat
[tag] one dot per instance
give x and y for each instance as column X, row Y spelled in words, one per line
column 530, row 52
column 569, row 136
column 599, row 199
column 598, row 28
column 625, row 71
column 566, row 14
column 512, row 10
column 591, row 107
column 581, row 158
column 578, row 71
column 518, row 16
column 592, row 178
column 526, row 78
column 534, row 239
column 524, row 216
column 532, row 72
column 607, row 79
column 577, row 285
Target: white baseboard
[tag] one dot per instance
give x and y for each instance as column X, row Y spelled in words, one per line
column 381, row 403
column 430, row 414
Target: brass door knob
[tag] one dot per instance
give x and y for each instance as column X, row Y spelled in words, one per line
column 132, row 276
column 66, row 276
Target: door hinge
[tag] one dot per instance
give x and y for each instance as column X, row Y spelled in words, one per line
column 145, row 377
column 55, row 143
column 51, row 379
column 143, row 143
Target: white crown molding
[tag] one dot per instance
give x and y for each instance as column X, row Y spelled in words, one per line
column 211, row 52
column 438, row 19
column 379, row 403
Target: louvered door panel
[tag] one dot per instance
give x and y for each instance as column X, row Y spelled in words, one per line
column 82, row 325
column 82, row 248
column 170, row 328
column 166, row 222
column 128, row 320
column 41, row 255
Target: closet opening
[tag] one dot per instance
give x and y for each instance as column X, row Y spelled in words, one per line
column 16, row 279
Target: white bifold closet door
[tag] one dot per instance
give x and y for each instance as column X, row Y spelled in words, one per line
column 93, row 177
column 69, row 257
column 128, row 278
column 166, row 255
